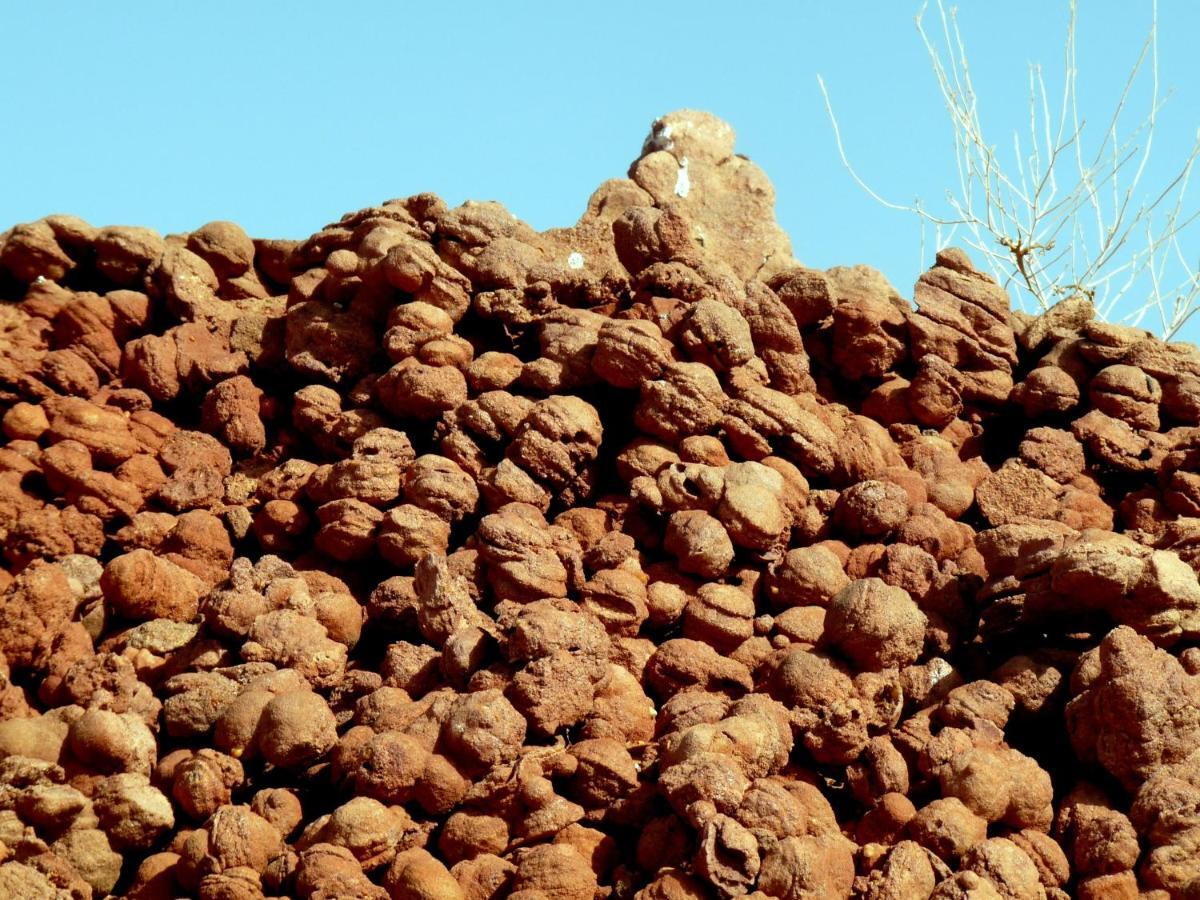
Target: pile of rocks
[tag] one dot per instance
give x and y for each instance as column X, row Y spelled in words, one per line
column 436, row 557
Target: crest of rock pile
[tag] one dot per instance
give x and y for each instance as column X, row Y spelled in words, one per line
column 436, row 557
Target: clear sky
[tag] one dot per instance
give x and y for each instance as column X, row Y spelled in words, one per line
column 283, row 116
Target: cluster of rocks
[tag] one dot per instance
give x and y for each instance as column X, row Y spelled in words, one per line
column 436, row 557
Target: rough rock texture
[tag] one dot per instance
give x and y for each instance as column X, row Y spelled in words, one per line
column 433, row 556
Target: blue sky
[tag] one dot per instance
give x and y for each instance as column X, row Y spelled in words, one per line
column 283, row 117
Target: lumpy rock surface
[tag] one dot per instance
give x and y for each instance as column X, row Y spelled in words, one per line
column 436, row 557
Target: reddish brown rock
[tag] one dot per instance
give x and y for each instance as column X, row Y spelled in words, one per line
column 434, row 556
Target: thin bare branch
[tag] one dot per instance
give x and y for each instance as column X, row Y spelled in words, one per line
column 849, row 168
column 1045, row 232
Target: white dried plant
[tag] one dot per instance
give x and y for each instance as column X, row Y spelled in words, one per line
column 1069, row 214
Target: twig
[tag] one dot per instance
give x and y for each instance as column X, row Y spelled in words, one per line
column 1060, row 236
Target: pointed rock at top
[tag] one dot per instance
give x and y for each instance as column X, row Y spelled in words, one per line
column 688, row 162
column 691, row 134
